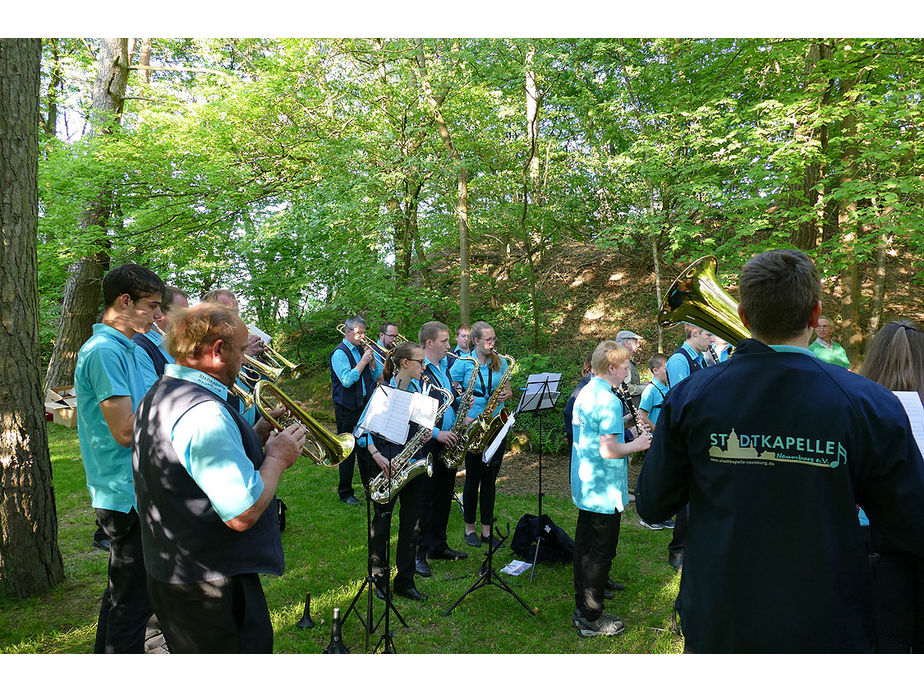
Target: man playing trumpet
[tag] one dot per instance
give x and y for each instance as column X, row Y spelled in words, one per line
column 204, row 479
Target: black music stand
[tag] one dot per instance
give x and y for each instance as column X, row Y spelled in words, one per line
column 369, row 583
column 537, row 402
column 487, row 574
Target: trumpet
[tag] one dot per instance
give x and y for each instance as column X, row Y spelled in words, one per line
column 325, row 448
column 275, row 361
column 368, row 343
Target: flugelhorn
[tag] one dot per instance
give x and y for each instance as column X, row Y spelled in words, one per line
column 695, row 297
column 275, row 361
column 378, row 352
column 323, row 447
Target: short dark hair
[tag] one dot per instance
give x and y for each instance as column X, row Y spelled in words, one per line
column 385, row 325
column 194, row 329
column 135, row 280
column 463, row 326
column 778, row 290
column 430, row 330
column 656, row 361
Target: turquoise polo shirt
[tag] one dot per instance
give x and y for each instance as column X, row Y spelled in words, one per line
column 208, row 443
column 485, row 383
column 348, row 375
column 652, row 399
column 107, row 366
column 677, row 366
column 598, row 484
column 444, row 380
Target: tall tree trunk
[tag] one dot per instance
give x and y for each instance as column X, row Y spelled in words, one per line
column 82, row 290
column 530, row 184
column 851, row 333
column 56, row 79
column 30, row 561
column 462, row 186
column 805, row 191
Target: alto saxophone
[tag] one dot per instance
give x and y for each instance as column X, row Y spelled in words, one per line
column 404, row 467
column 453, row 456
column 485, row 427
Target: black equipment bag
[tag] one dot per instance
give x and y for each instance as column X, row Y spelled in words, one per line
column 556, row 546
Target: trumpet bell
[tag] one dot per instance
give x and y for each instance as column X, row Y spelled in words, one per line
column 697, row 298
column 325, row 448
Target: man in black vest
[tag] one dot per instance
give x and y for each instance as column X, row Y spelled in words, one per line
column 352, row 380
column 204, row 479
column 152, row 341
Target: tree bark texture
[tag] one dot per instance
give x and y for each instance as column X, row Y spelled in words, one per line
column 851, row 332
column 462, row 173
column 30, row 561
column 82, row 291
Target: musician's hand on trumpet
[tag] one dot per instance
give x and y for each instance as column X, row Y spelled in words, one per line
column 262, row 427
column 255, row 345
column 286, row 445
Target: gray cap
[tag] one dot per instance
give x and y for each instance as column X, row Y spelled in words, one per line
column 627, row 334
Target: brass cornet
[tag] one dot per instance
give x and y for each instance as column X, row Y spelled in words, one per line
column 323, row 447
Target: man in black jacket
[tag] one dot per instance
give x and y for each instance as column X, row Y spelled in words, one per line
column 774, row 449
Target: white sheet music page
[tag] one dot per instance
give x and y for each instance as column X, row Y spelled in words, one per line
column 535, row 382
column 389, row 414
column 911, row 401
column 423, row 410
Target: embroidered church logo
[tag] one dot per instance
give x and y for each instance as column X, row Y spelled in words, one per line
column 756, row 448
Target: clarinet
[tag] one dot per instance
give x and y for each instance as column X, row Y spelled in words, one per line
column 623, row 393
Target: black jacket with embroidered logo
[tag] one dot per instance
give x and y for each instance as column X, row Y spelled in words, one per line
column 774, row 450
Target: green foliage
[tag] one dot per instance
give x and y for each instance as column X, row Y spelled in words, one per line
column 325, row 550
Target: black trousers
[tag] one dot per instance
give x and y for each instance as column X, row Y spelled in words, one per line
column 899, row 589
column 125, row 609
column 346, row 422
column 437, row 504
column 679, row 537
column 227, row 616
column 595, row 540
column 405, row 556
column 480, row 479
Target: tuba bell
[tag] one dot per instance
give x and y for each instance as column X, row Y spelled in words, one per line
column 695, row 297
column 323, row 447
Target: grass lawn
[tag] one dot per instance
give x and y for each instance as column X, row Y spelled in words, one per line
column 325, row 550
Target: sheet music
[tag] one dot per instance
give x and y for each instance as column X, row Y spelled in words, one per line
column 492, row 448
column 911, row 401
column 391, row 410
column 253, row 329
column 535, row 382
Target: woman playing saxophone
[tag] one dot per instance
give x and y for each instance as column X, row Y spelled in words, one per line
column 492, row 386
column 403, row 369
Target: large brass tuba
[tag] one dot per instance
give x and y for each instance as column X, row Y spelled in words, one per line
column 323, row 447
column 695, row 297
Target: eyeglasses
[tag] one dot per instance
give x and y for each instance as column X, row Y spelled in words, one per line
column 420, row 361
column 489, row 340
column 391, row 335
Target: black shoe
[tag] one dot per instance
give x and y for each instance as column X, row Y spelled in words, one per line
column 412, row 593
column 608, row 595
column 488, row 541
column 446, row 554
column 423, row 568
column 350, row 500
column 615, row 586
column 101, row 544
column 472, row 540
column 676, row 560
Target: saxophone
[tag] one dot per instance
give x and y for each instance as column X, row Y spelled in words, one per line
column 485, row 427
column 404, row 467
column 453, row 456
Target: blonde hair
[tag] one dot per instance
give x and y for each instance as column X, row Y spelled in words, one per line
column 608, row 353
column 195, row 329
